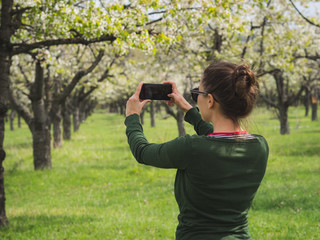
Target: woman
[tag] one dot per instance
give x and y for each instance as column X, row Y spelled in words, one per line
column 220, row 168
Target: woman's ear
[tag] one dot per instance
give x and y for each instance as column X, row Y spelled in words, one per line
column 211, row 101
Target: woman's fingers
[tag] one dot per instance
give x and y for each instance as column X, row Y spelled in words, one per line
column 174, row 96
column 172, row 100
column 137, row 93
column 173, row 84
column 134, row 104
column 144, row 102
column 169, row 103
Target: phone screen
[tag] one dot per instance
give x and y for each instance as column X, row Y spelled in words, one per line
column 155, row 91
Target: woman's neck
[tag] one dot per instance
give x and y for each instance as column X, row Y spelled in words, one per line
column 222, row 124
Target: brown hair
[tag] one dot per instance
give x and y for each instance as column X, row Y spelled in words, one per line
column 234, row 86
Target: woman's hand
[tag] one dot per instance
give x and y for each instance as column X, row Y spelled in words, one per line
column 134, row 104
column 177, row 98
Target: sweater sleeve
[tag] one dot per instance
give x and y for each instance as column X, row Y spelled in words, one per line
column 194, row 118
column 172, row 154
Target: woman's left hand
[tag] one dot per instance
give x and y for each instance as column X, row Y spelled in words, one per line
column 134, row 104
column 177, row 98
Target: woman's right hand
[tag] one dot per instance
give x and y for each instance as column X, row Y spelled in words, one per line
column 177, row 98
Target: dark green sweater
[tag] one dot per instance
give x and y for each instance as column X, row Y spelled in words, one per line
column 216, row 181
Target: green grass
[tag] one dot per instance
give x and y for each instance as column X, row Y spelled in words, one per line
column 96, row 190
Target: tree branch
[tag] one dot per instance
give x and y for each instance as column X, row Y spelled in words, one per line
column 16, row 16
column 83, row 95
column 244, row 50
column 262, row 73
column 306, row 19
column 157, row 12
column 78, row 77
column 307, row 56
column 106, row 72
column 19, row 11
column 20, row 108
column 262, row 39
column 24, row 74
column 181, row 9
column 170, row 111
column 154, row 21
column 295, row 97
column 24, row 48
column 269, row 102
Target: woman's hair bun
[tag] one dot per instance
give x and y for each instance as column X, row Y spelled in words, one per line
column 244, row 73
column 245, row 81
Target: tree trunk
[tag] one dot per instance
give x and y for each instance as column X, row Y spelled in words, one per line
column 306, row 101
column 113, row 108
column 56, row 120
column 5, row 62
column 12, row 116
column 54, row 106
column 306, row 107
column 314, row 102
column 76, row 119
column 180, row 122
column 285, row 100
column 82, row 115
column 216, row 46
column 152, row 114
column 90, row 108
column 3, row 110
column 122, row 109
column 41, row 145
column 284, row 124
column 39, row 123
column 314, row 107
column 158, row 107
column 142, row 117
column 179, row 117
column 19, row 121
column 66, row 122
column 41, row 127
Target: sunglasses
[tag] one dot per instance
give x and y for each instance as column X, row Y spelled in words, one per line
column 195, row 93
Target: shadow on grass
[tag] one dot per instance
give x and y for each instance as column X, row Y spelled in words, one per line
column 110, row 167
column 44, row 223
column 308, row 151
column 294, row 204
column 23, row 145
column 302, row 172
column 288, row 197
column 309, row 131
column 296, row 149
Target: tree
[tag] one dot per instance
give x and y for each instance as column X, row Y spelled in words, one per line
column 313, row 87
column 74, row 61
column 276, row 39
column 30, row 25
column 16, row 21
column 43, row 104
column 83, row 93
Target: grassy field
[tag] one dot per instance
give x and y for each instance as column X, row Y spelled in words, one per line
column 96, row 190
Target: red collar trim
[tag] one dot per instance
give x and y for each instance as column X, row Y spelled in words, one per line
column 228, row 133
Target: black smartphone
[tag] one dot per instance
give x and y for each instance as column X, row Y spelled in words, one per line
column 155, row 91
